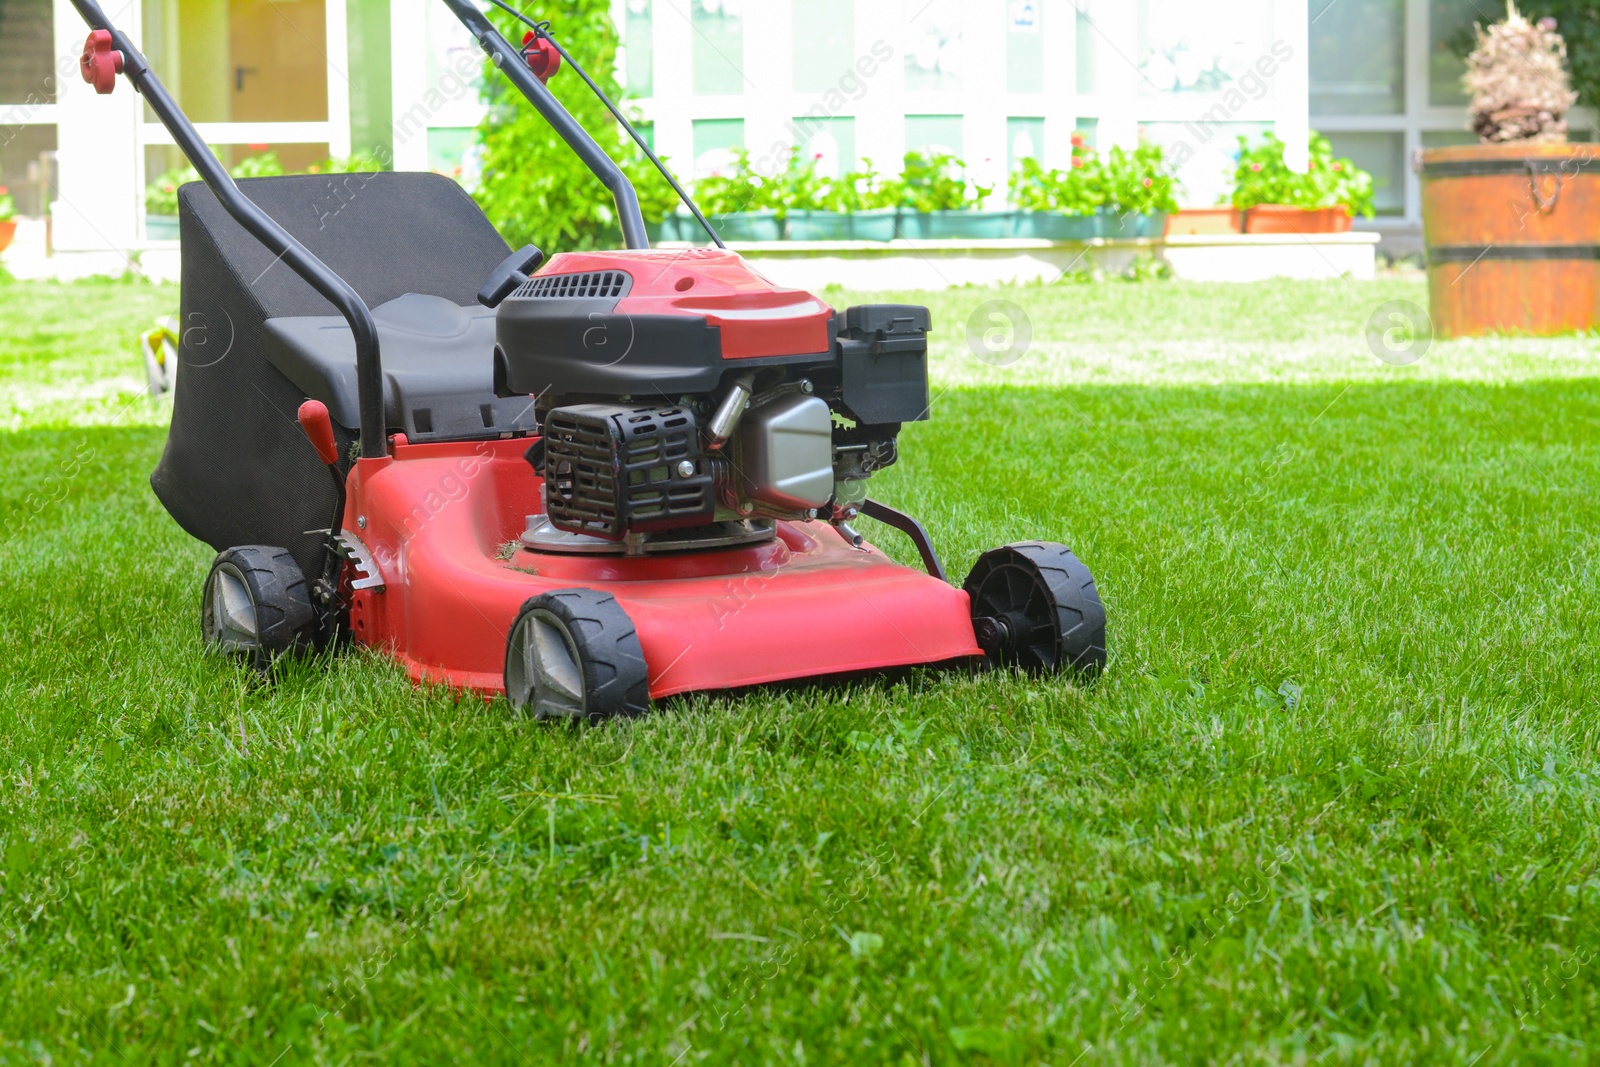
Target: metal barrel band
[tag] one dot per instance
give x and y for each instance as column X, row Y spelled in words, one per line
column 1535, row 165
column 1522, row 253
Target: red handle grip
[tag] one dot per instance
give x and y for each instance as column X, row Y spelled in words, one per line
column 541, row 54
column 100, row 63
column 318, row 427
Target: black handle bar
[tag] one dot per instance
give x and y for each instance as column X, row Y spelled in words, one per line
column 369, row 360
column 511, row 63
column 369, row 363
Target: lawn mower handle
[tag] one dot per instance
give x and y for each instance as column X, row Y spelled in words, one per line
column 369, row 364
column 511, row 63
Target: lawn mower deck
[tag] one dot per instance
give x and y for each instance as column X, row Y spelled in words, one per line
column 587, row 482
column 803, row 604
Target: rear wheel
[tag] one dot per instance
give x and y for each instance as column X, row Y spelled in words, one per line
column 1035, row 607
column 574, row 654
column 256, row 606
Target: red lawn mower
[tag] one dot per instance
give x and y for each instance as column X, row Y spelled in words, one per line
column 589, row 481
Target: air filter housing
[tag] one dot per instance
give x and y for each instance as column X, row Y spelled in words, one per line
column 611, row 470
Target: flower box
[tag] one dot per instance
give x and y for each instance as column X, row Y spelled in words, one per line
column 875, row 224
column 961, row 224
column 161, row 227
column 8, row 231
column 1204, row 220
column 1121, row 226
column 818, row 226
column 1055, row 226
column 748, row 226
column 1283, row 218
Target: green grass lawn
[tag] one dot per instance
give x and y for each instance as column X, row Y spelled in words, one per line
column 1334, row 799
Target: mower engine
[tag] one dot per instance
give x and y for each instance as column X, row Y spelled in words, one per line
column 681, row 392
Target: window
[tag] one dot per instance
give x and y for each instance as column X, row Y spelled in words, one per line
column 1204, row 154
column 1087, row 45
column 935, row 58
column 1449, row 31
column 638, row 32
column 714, row 143
column 1024, row 140
column 1024, row 47
column 1357, row 57
column 27, row 160
column 452, row 151
column 1384, row 155
column 824, row 43
column 831, row 142
column 933, row 133
column 1189, row 47
column 717, row 50
column 27, row 52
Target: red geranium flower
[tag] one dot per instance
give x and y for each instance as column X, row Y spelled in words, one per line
column 1076, row 162
column 1255, row 167
column 1338, row 167
column 1148, row 182
column 1077, row 140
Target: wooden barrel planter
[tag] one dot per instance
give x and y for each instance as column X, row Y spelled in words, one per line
column 1513, row 238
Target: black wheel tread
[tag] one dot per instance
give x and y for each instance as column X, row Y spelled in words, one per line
column 285, row 618
column 615, row 675
column 1080, row 613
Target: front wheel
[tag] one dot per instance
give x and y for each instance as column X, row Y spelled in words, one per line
column 1035, row 608
column 574, row 654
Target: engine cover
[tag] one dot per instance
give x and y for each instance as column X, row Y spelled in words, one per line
column 603, row 323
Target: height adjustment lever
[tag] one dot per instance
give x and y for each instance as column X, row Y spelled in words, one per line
column 100, row 63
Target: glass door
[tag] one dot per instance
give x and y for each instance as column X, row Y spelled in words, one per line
column 256, row 78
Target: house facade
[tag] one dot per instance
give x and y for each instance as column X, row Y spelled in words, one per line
column 991, row 81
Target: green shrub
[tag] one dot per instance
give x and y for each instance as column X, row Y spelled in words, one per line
column 1081, row 189
column 861, row 190
column 8, row 206
column 739, row 188
column 1264, row 178
column 928, row 183
column 934, row 182
column 534, row 188
column 1140, row 182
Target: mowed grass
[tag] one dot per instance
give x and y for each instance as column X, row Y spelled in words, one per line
column 1334, row 799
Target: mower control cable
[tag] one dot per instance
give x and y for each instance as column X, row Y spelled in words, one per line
column 541, row 31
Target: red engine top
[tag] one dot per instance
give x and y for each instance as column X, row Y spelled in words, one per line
column 756, row 318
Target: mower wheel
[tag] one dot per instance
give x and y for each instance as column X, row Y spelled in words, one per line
column 574, row 654
column 1035, row 608
column 257, row 606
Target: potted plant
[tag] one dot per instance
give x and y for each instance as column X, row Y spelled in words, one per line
column 8, row 218
column 937, row 201
column 1059, row 205
column 1512, row 223
column 809, row 203
column 1139, row 188
column 740, row 203
column 872, row 202
column 1275, row 199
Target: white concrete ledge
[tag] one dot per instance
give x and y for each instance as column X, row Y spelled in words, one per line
column 905, row 264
